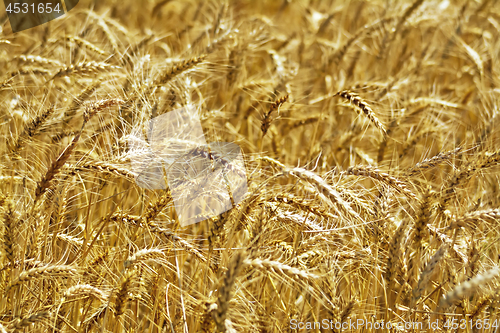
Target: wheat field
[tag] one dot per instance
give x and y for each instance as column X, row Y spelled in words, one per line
column 368, row 130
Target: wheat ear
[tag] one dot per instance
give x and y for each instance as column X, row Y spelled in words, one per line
column 363, row 106
column 323, row 188
column 31, row 129
column 9, row 234
column 266, row 121
column 179, row 69
column 470, row 219
column 84, row 290
column 226, row 290
column 122, row 294
column 467, row 287
column 426, row 274
column 371, row 172
column 44, row 271
column 22, row 323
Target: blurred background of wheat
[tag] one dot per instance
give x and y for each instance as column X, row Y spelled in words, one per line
column 371, row 148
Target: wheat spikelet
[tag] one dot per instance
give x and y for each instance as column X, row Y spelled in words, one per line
column 492, row 159
column 303, row 205
column 347, row 310
column 304, row 122
column 69, row 239
column 23, row 71
column 338, row 55
column 479, row 307
column 363, row 106
column 272, row 161
column 448, row 191
column 94, row 318
column 177, row 240
column 422, row 218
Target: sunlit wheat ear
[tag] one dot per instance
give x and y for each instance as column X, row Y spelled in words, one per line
column 102, row 167
column 94, row 318
column 176, row 240
column 468, row 287
column 346, row 312
column 481, row 305
column 142, row 255
column 363, row 106
column 323, row 188
column 31, row 129
column 90, row 67
column 55, row 167
column 84, row 290
column 94, row 108
column 156, row 207
column 279, row 267
column 303, row 205
column 39, row 60
column 91, row 110
column 43, row 272
column 226, row 290
column 449, row 188
column 179, row 69
column 424, row 212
